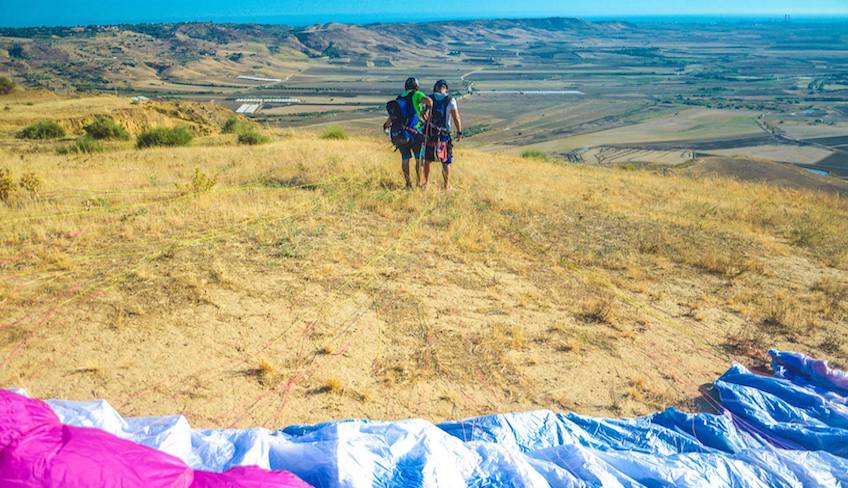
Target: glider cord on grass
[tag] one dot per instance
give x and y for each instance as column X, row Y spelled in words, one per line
column 112, row 279
column 298, row 376
column 364, row 307
column 306, row 363
column 266, row 345
column 93, row 257
column 650, row 308
column 482, row 377
column 199, row 237
column 181, row 194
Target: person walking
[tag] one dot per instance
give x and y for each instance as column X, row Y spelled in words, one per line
column 405, row 126
column 438, row 143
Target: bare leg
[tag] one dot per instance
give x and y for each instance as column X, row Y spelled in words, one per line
column 446, row 176
column 417, row 171
column 426, row 173
column 405, row 166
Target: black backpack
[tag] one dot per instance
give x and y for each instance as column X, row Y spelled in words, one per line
column 439, row 115
column 404, row 131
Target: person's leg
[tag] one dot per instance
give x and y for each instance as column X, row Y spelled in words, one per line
column 427, row 163
column 405, row 166
column 447, row 164
column 416, row 151
column 429, row 157
column 405, row 156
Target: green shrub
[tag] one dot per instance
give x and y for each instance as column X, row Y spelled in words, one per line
column 164, row 136
column 200, row 183
column 251, row 136
column 46, row 129
column 82, row 145
column 107, row 129
column 6, row 85
column 334, row 133
column 534, row 154
column 232, row 125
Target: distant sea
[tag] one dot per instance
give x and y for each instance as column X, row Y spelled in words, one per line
column 304, row 20
column 361, row 19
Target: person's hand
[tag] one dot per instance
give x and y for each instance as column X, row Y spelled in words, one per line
column 458, row 136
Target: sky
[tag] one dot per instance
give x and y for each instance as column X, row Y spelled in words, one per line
column 69, row 12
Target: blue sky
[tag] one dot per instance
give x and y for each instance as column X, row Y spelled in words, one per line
column 69, row 12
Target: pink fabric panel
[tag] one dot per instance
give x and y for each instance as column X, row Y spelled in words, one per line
column 37, row 451
column 247, row 477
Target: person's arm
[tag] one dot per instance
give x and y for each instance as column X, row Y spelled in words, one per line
column 457, row 122
column 425, row 105
column 387, row 123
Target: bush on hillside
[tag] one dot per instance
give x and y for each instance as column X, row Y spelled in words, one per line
column 232, row 125
column 106, row 129
column 535, row 154
column 6, row 85
column 29, row 183
column 164, row 136
column 200, row 183
column 251, row 136
column 334, row 133
column 82, row 145
column 46, row 129
column 7, row 185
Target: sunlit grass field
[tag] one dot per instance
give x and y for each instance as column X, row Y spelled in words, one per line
column 296, row 281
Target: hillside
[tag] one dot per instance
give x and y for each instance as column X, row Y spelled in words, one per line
column 762, row 171
column 306, row 285
column 73, row 113
column 153, row 56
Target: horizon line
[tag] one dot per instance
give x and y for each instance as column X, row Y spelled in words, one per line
column 368, row 19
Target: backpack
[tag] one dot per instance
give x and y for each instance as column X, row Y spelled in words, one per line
column 439, row 117
column 439, row 128
column 404, row 131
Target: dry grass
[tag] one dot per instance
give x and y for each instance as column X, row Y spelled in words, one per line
column 597, row 310
column 334, row 385
column 199, row 260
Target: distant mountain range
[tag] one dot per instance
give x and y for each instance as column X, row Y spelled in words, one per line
column 103, row 56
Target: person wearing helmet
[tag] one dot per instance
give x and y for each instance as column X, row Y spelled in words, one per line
column 444, row 115
column 419, row 101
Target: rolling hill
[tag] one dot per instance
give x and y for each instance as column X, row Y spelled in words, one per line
column 146, row 55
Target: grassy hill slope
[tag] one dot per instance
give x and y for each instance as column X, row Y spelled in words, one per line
column 305, row 285
column 763, row 171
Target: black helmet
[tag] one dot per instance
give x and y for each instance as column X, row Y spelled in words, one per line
column 439, row 84
column 411, row 83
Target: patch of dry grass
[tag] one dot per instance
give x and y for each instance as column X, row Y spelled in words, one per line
column 334, row 385
column 598, row 311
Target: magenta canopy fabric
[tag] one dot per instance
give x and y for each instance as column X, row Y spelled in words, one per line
column 37, row 450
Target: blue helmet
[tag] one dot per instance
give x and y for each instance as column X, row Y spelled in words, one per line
column 439, row 84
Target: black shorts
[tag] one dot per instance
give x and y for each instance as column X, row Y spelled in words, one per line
column 430, row 151
column 409, row 152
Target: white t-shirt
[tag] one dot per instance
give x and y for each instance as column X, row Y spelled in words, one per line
column 452, row 108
